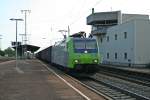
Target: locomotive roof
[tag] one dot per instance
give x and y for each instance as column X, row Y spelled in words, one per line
column 71, row 38
column 83, row 39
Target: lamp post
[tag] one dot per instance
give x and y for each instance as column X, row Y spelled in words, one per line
column 22, row 45
column 25, row 19
column 13, row 19
column 63, row 32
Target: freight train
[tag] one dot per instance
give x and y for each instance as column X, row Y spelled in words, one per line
column 73, row 54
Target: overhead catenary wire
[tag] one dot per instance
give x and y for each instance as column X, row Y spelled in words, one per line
column 83, row 13
column 78, row 11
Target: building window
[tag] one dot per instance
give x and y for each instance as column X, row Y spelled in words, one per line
column 115, row 55
column 125, row 55
column 125, row 35
column 101, row 40
column 107, row 38
column 115, row 36
column 107, row 55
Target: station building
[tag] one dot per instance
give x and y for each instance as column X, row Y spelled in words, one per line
column 123, row 39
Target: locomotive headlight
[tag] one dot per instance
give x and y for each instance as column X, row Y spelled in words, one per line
column 76, row 61
column 95, row 60
column 85, row 51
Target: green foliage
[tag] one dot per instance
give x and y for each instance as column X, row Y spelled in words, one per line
column 2, row 53
column 9, row 52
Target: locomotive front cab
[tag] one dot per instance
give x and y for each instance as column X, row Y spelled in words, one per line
column 84, row 54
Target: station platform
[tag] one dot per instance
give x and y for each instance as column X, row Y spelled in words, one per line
column 30, row 80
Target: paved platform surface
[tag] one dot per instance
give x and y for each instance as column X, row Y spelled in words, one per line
column 31, row 81
column 3, row 59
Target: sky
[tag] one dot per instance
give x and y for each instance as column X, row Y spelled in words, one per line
column 47, row 17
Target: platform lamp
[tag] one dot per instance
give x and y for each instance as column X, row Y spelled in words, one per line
column 14, row 19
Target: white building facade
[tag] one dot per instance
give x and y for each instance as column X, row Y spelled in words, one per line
column 127, row 42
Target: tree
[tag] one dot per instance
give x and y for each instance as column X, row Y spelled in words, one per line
column 10, row 52
column 2, row 53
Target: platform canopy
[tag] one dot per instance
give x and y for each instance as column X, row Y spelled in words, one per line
column 31, row 48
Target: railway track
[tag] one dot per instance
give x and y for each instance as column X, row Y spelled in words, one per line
column 77, row 84
column 119, row 86
column 115, row 89
column 135, row 77
column 107, row 90
column 130, row 90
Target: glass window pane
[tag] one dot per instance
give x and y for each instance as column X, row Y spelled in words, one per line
column 115, row 36
column 91, row 45
column 79, row 45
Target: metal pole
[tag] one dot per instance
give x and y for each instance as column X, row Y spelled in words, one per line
column 25, row 11
column 16, row 36
column 63, row 31
column 22, row 45
column 16, row 43
column 25, row 27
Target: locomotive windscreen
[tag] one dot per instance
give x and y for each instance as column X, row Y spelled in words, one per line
column 82, row 45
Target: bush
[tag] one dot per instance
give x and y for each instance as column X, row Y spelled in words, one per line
column 2, row 53
column 10, row 52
